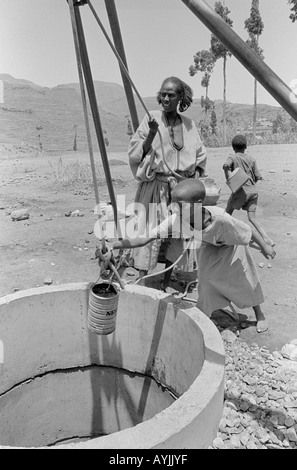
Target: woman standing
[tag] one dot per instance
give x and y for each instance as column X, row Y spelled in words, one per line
column 184, row 155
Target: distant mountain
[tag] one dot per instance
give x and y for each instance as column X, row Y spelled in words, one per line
column 106, row 92
column 5, row 77
column 52, row 116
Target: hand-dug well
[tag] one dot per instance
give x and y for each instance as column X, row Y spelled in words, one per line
column 156, row 382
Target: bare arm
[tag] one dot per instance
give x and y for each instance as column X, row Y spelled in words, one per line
column 266, row 249
column 258, row 176
column 226, row 170
column 105, row 253
column 130, row 243
column 161, row 231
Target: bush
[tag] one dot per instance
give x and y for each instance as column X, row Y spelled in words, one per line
column 216, row 140
column 279, row 138
column 74, row 173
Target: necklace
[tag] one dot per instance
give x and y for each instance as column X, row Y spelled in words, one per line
column 171, row 132
column 171, row 127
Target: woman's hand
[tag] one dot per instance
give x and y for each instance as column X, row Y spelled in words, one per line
column 153, row 125
column 153, row 129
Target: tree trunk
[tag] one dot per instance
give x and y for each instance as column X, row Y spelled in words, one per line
column 205, row 107
column 224, row 101
column 255, row 112
column 255, row 104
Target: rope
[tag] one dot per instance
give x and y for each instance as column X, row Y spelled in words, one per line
column 166, row 269
column 89, row 139
column 85, row 111
column 124, row 69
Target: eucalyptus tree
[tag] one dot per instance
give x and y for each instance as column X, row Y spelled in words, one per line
column 219, row 51
column 254, row 26
column 204, row 62
column 293, row 8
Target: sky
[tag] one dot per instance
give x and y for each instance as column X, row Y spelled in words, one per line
column 160, row 39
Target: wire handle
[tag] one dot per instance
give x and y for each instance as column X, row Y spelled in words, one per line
column 166, row 269
column 112, row 267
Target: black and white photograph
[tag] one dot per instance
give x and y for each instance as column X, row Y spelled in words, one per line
column 148, row 227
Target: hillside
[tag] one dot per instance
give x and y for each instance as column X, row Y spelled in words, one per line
column 29, row 110
column 51, row 116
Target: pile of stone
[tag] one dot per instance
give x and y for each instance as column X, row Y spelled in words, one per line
column 260, row 406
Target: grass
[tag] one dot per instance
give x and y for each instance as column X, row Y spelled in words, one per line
column 74, row 173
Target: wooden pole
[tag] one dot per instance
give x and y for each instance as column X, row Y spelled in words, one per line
column 84, row 99
column 118, row 42
column 95, row 113
column 249, row 59
column 85, row 110
column 121, row 63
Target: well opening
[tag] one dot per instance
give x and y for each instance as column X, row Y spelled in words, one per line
column 156, row 381
column 78, row 404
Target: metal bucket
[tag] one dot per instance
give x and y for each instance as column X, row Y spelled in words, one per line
column 237, row 179
column 103, row 306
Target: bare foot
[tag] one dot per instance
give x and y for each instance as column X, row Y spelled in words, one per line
column 262, row 325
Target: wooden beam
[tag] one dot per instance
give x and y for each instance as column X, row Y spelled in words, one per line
column 95, row 113
column 249, row 59
column 118, row 42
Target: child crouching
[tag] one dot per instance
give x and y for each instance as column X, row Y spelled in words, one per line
column 226, row 270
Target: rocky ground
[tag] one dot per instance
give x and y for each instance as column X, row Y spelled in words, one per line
column 52, row 246
column 260, row 407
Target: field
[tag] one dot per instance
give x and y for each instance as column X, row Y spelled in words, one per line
column 51, row 247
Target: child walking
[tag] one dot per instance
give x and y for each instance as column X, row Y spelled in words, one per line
column 245, row 198
column 226, row 270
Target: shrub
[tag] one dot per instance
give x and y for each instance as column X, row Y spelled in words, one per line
column 74, row 173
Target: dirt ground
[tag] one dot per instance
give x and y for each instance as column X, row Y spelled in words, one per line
column 51, row 246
